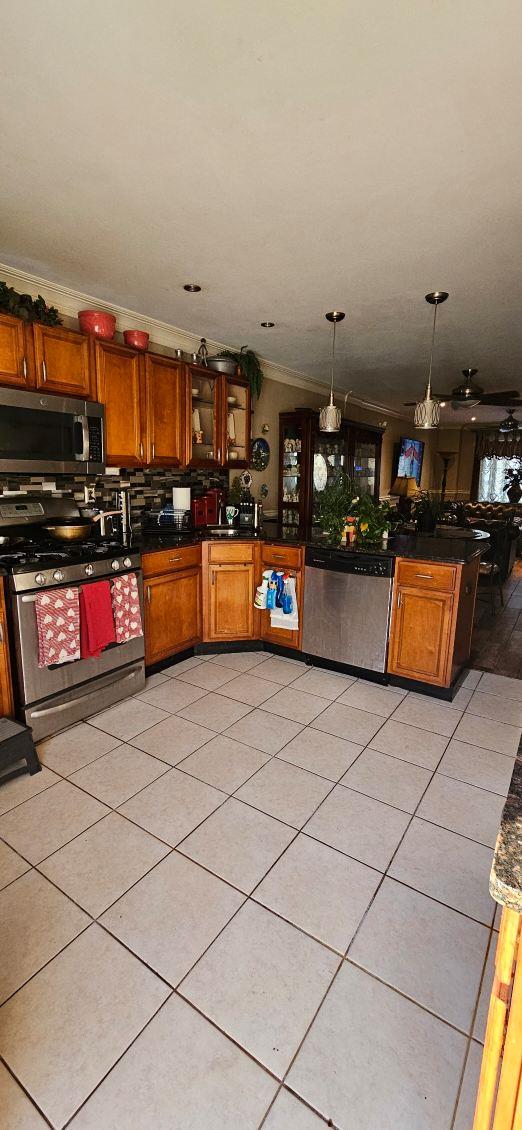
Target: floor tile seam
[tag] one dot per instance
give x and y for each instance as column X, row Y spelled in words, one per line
column 179, row 714
column 469, row 1044
column 27, row 1094
column 369, row 796
column 98, row 757
column 482, row 748
column 314, row 772
column 40, row 792
column 214, row 874
column 273, row 714
column 126, row 816
column 295, row 925
column 472, row 784
column 294, row 827
column 382, row 721
column 463, row 836
column 127, row 741
column 284, row 1088
column 492, row 942
column 220, row 787
column 67, row 842
column 428, row 730
column 114, row 807
column 231, row 1039
column 496, row 721
column 116, row 1062
column 49, row 961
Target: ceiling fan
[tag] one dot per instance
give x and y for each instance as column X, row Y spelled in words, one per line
column 468, row 395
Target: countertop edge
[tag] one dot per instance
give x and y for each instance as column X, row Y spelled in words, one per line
column 505, row 883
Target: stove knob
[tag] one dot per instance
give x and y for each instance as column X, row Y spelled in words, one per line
column 88, row 570
column 40, row 578
column 127, row 562
column 58, row 575
column 115, row 565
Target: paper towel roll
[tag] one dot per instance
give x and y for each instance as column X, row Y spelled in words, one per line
column 181, row 498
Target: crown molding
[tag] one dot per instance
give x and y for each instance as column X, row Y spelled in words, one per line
column 69, row 301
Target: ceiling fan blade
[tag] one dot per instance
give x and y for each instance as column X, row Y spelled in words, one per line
column 500, row 398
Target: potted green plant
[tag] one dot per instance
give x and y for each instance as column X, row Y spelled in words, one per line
column 249, row 365
column 334, row 504
column 426, row 511
column 27, row 308
column 374, row 519
column 513, row 484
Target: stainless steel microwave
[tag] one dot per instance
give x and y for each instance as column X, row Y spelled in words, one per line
column 50, row 433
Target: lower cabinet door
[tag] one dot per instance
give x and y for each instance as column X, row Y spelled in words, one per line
column 230, row 602
column 172, row 614
column 420, row 635
column 282, row 636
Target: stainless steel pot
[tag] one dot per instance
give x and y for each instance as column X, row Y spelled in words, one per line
column 69, row 531
column 222, row 365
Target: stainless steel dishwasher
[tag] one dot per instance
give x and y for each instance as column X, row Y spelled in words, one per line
column 347, row 598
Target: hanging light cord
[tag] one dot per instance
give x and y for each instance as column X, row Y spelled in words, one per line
column 333, row 364
column 428, row 387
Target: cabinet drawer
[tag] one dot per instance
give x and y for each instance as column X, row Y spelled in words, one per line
column 236, row 553
column 170, row 560
column 289, row 556
column 427, row 575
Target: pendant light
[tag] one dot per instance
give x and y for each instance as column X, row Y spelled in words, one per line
column 509, row 426
column 427, row 411
column 330, row 416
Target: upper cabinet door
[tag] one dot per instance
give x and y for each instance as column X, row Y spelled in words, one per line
column 14, row 360
column 237, row 422
column 62, row 361
column 164, row 439
column 118, row 383
column 204, row 423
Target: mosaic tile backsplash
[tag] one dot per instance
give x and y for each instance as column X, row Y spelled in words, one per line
column 149, row 488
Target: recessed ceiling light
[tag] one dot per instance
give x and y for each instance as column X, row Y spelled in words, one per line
column 443, row 403
column 192, row 288
column 267, row 325
column 473, row 418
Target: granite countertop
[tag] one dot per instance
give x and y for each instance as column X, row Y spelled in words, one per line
column 447, row 545
column 505, row 882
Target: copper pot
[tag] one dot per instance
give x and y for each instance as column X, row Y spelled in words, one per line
column 69, row 531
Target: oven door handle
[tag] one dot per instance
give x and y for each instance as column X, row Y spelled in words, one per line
column 81, row 697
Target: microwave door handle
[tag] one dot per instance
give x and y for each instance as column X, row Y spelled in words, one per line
column 83, row 455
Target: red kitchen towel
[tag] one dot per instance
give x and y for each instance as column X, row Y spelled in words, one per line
column 58, row 624
column 126, row 607
column 96, row 619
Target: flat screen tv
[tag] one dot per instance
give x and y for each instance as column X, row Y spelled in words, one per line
column 409, row 456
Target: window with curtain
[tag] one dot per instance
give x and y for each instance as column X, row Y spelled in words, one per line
column 492, row 477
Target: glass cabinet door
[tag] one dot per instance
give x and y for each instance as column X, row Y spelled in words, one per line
column 330, row 455
column 237, row 417
column 365, row 464
column 291, row 473
column 204, row 424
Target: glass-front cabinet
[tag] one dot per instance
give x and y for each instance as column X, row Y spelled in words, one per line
column 218, row 432
column 236, row 413
column 309, row 461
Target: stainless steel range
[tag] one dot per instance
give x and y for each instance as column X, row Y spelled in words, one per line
column 51, row 698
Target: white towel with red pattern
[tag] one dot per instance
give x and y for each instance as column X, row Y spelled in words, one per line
column 58, row 624
column 126, row 607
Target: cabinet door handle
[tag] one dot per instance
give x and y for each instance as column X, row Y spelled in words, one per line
column 153, row 450
column 173, row 559
column 213, row 578
column 44, row 371
column 425, row 576
column 24, row 368
column 399, row 599
column 1, row 632
column 278, row 556
column 141, row 450
column 148, row 594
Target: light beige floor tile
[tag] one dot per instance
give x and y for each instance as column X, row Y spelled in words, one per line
column 238, row 843
column 476, row 766
column 498, row 707
column 250, row 689
column 463, row 808
column 173, row 739
column 170, row 917
column 285, row 792
column 173, row 694
column 488, row 734
column 183, row 665
column 427, row 951
column 358, row 826
column 207, row 676
column 468, row 1094
column 321, row 753
column 20, row 789
column 11, row 865
column 288, row 1113
column 116, row 776
column 48, row 821
column 224, row 763
column 425, row 712
column 412, row 1059
column 75, row 747
column 264, row 731
column 388, row 779
column 371, row 697
column 472, row 679
column 348, row 722
column 216, row 711
column 181, row 1074
column 282, row 671
column 98, row 866
column 297, row 705
column 501, row 685
column 172, row 806
column 65, row 1029
column 128, row 718
column 36, row 922
column 320, row 890
column 481, row 1018
column 240, row 660
column 409, row 743
column 16, row 1110
column 462, row 697
column 261, row 981
column 448, row 867
column 325, row 684
column 153, row 681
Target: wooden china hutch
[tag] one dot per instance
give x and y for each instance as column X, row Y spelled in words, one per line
column 308, row 460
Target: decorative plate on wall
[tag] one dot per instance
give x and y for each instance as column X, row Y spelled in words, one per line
column 320, row 472
column 260, row 454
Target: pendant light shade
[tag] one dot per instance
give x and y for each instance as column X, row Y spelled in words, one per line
column 427, row 411
column 330, row 415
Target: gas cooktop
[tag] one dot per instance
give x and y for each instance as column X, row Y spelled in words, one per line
column 49, row 555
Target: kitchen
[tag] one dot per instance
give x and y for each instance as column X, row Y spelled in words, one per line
column 258, row 803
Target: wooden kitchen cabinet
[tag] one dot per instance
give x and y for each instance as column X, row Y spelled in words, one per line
column 164, row 396
column 15, row 353
column 63, row 361
column 230, row 602
column 172, row 590
column 290, row 559
column 6, row 686
column 119, row 388
column 236, row 421
column 204, row 417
